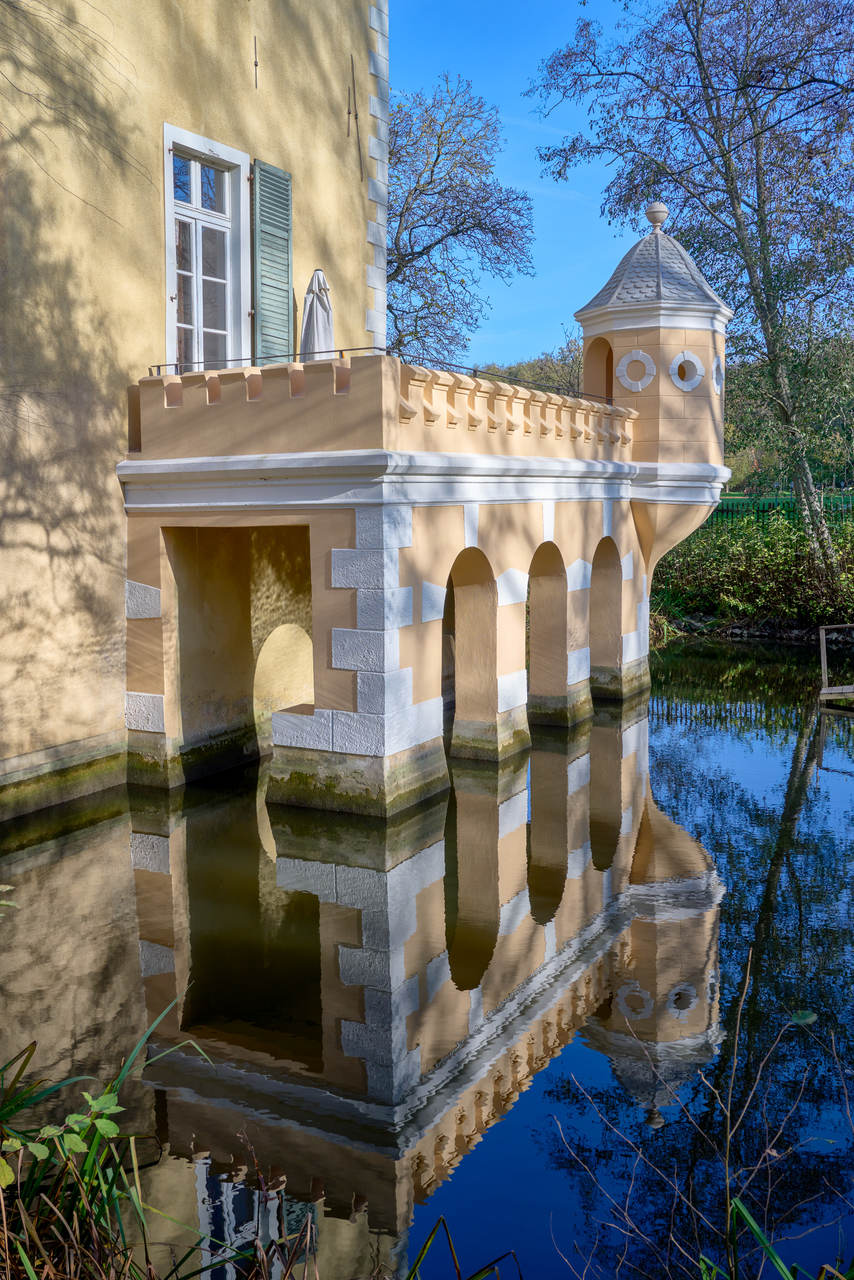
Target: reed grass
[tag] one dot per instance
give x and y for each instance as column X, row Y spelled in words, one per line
column 71, row 1202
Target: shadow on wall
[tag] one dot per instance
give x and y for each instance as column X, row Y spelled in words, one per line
column 80, row 156
column 61, row 395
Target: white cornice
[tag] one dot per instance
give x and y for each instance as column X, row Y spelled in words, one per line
column 655, row 315
column 687, row 482
column 347, row 478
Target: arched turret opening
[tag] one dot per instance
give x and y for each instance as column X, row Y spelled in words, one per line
column 598, row 378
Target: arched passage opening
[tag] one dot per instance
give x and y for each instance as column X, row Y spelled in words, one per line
column 606, row 794
column 470, row 657
column 242, row 626
column 606, row 621
column 598, row 376
column 547, row 637
column 284, row 677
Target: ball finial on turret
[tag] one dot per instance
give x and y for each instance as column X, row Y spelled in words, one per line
column 657, row 214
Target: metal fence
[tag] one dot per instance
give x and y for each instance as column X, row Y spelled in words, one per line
column 838, row 508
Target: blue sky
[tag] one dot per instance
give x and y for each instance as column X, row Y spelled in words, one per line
column 498, row 47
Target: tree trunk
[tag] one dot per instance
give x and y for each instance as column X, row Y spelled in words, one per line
column 822, row 550
column 812, row 512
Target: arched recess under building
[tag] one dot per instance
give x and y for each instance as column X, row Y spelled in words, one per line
column 243, row 636
column 547, row 636
column 599, row 370
column 470, row 657
column 606, row 622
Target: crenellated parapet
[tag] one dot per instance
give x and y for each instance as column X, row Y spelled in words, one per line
column 367, row 402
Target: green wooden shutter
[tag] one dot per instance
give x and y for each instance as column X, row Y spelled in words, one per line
column 273, row 287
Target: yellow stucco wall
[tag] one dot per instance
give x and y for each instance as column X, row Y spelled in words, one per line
column 82, row 288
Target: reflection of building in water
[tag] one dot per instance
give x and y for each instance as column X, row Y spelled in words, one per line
column 660, row 1022
column 374, row 995
column 69, row 975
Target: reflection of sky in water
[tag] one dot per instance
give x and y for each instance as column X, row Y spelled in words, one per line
column 728, row 787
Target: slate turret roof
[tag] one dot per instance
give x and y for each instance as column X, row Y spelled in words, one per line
column 656, row 269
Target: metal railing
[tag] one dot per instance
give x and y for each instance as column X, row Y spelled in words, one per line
column 178, row 367
column 838, row 508
column 493, row 374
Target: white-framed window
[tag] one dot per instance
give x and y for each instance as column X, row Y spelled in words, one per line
column 208, row 260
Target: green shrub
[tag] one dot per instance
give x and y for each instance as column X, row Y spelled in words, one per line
column 754, row 571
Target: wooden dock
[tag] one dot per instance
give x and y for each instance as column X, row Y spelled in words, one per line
column 840, row 693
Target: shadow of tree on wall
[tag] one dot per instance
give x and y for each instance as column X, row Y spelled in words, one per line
column 80, row 139
column 61, row 387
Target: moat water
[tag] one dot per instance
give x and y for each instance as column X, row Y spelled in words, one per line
column 522, row 1007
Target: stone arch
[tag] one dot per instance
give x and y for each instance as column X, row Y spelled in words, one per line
column 599, row 370
column 547, row 637
column 606, row 621
column 284, row 677
column 470, row 656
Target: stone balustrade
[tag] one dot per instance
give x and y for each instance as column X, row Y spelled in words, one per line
column 367, row 402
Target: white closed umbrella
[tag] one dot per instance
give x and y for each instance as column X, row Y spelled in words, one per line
column 317, row 340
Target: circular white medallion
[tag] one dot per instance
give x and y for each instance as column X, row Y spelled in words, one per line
column 633, row 1002
column 682, row 999
column 718, row 374
column 687, row 371
column 636, row 384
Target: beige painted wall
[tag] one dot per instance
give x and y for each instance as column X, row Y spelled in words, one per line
column 71, row 976
column 82, row 287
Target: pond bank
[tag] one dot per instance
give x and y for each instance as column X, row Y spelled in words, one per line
column 663, row 630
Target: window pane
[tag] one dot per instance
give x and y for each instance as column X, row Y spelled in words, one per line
column 214, row 344
column 185, row 299
column 185, row 350
column 213, row 252
column 213, row 189
column 213, row 305
column 181, row 178
column 183, row 245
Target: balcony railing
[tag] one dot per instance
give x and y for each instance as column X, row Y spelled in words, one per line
column 366, row 402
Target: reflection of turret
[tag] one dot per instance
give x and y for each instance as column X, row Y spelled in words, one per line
column 661, row 1021
column 441, row 961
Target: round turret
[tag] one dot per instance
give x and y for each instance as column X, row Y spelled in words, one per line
column 654, row 342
